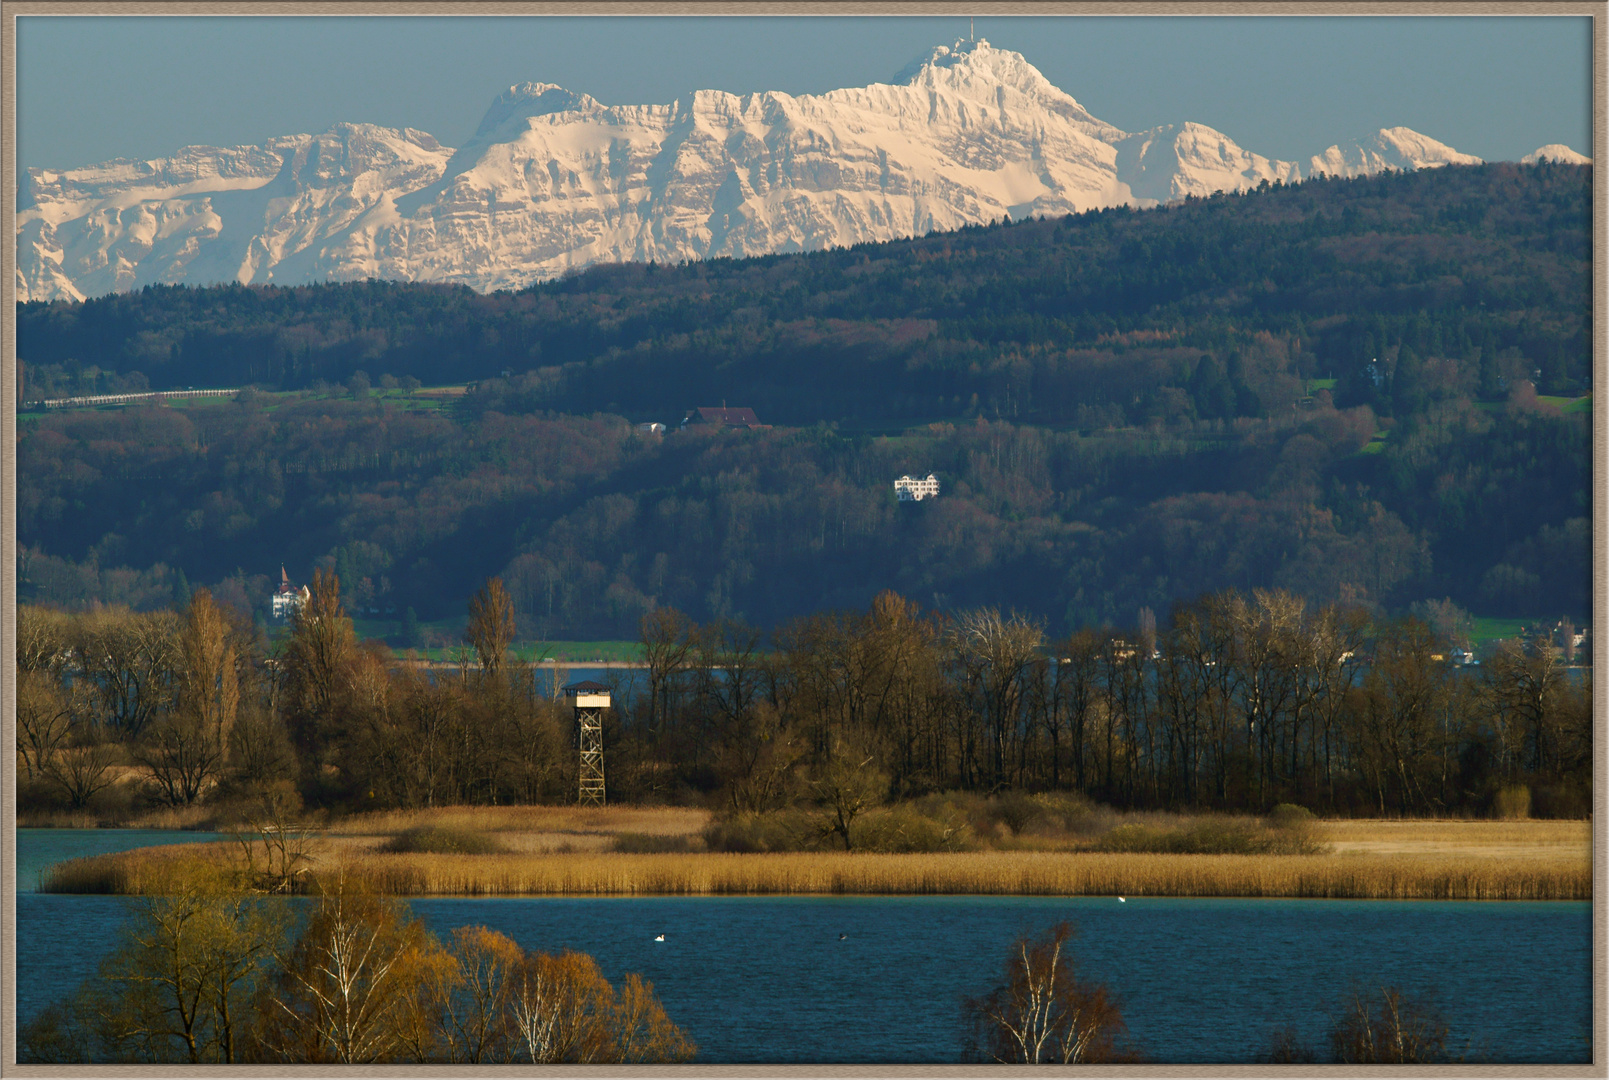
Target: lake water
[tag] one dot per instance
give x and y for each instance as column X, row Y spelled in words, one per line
column 756, row 980
column 40, row 849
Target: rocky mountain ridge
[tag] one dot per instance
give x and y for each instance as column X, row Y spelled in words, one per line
column 553, row 181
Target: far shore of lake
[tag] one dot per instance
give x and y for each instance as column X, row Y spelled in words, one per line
column 571, row 851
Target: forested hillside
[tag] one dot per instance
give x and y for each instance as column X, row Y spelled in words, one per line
column 1035, row 318
column 1126, row 409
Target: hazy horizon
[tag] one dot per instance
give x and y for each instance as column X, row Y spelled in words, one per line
column 91, row 89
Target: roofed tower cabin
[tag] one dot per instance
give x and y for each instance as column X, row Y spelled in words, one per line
column 909, row 489
column 288, row 599
column 712, row 416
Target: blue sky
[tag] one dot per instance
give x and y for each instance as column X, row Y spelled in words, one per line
column 94, row 88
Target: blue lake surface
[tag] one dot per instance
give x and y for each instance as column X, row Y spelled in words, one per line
column 40, row 849
column 767, row 980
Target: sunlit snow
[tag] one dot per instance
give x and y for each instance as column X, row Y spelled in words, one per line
column 553, row 180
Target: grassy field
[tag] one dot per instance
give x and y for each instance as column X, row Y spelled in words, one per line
column 1568, row 405
column 580, row 652
column 1491, row 629
column 1377, row 444
column 549, row 851
column 446, row 641
column 424, row 398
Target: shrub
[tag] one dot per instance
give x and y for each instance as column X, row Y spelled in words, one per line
column 1561, row 801
column 1290, row 816
column 782, row 830
column 1072, row 812
column 1017, row 810
column 651, row 843
column 1512, row 803
column 906, row 829
column 1138, row 838
column 1214, row 836
column 430, row 840
column 1287, row 1047
column 926, row 826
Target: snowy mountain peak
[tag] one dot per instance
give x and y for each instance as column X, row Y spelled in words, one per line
column 552, row 181
column 1390, row 148
column 530, row 100
column 1555, row 152
column 940, row 56
column 974, row 70
column 970, row 67
column 1179, row 160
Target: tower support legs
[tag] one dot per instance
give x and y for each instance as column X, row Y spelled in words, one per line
column 590, row 723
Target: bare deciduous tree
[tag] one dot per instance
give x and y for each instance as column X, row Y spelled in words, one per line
column 277, row 841
column 563, row 1010
column 208, row 684
column 558, row 1009
column 758, row 759
column 315, row 662
column 184, row 750
column 259, row 748
column 180, row 987
column 134, row 660
column 845, row 786
column 997, row 650
column 1393, row 1029
column 1042, row 1013
column 44, row 639
column 44, row 720
column 666, row 644
column 83, row 768
column 342, row 992
column 491, row 625
column 1522, row 679
column 474, row 1025
column 640, row 1030
column 181, row 757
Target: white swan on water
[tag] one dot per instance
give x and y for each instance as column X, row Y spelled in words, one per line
column 661, row 937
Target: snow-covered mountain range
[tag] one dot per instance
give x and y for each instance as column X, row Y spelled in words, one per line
column 553, row 180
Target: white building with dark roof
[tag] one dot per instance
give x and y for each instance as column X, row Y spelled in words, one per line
column 910, row 489
column 287, row 599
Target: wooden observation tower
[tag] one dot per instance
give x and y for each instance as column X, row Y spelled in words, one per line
column 591, row 699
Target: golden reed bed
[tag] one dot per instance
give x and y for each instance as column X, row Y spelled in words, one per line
column 1562, row 876
column 603, row 820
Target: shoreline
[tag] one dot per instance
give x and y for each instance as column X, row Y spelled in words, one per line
column 1359, row 876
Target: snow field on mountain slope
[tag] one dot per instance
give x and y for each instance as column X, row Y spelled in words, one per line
column 553, row 181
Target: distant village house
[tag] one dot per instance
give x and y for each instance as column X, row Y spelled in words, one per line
column 910, row 489
column 712, row 416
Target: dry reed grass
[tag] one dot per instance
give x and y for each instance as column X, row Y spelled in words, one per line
column 581, row 820
column 173, row 818
column 143, row 871
column 996, row 873
column 1480, row 839
column 982, row 873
